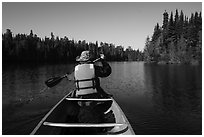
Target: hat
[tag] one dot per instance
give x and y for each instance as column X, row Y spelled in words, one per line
column 85, row 56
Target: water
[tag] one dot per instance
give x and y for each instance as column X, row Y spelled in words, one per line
column 157, row 99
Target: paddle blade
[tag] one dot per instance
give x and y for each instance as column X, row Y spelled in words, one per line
column 53, row 81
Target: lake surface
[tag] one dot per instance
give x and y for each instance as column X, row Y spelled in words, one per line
column 157, row 99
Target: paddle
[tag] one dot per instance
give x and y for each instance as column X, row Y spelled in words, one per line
column 55, row 80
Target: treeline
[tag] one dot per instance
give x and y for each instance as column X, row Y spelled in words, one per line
column 178, row 40
column 31, row 48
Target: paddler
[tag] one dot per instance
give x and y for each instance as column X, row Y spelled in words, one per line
column 87, row 75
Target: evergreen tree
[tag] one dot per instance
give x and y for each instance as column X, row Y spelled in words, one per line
column 147, row 50
column 171, row 29
column 165, row 31
column 31, row 33
column 180, row 24
column 176, row 27
column 165, row 20
column 156, row 33
column 179, row 40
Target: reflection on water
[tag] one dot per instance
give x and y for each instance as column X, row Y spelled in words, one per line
column 177, row 89
column 23, row 99
column 176, row 96
column 157, row 99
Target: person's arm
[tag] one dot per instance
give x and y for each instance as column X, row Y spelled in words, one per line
column 104, row 70
column 70, row 75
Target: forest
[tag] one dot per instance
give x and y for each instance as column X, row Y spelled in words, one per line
column 178, row 40
column 23, row 48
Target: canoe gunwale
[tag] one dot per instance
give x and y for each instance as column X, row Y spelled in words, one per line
column 125, row 118
column 45, row 117
column 119, row 132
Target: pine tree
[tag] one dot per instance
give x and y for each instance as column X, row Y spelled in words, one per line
column 176, row 25
column 181, row 23
column 165, row 20
column 165, row 31
column 185, row 27
column 200, row 21
column 31, row 33
column 192, row 33
column 156, row 33
column 147, row 50
column 171, row 29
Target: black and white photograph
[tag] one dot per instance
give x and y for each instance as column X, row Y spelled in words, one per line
column 101, row 68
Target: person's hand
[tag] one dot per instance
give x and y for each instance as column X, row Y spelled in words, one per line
column 102, row 56
column 69, row 76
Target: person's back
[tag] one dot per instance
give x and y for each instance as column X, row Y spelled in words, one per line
column 87, row 76
column 85, row 79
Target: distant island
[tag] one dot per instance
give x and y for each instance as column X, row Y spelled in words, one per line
column 178, row 40
column 23, row 48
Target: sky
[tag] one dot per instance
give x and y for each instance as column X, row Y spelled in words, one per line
column 121, row 23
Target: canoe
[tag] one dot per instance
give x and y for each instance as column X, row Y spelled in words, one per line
column 62, row 120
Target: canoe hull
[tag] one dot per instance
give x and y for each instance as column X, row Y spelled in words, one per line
column 65, row 111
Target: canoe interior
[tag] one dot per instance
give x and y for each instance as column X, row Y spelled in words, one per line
column 67, row 112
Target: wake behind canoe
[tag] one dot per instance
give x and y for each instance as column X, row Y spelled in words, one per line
column 61, row 119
